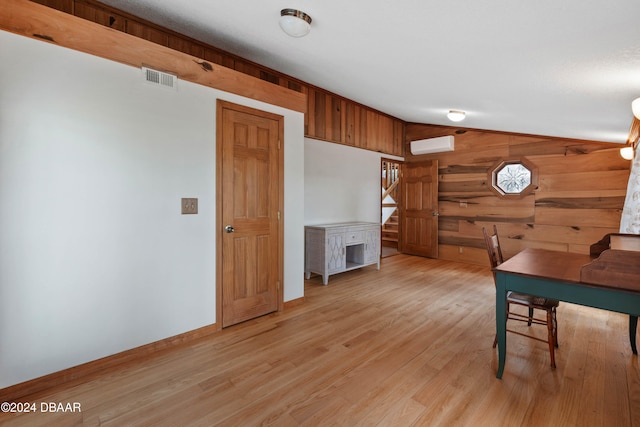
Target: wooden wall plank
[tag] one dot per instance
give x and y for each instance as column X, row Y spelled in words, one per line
column 398, row 135
column 187, row 46
column 459, row 186
column 147, row 33
column 468, row 255
column 594, row 180
column 464, row 177
column 343, row 120
column 350, row 124
column 554, row 146
column 310, row 117
column 579, row 218
column 580, row 202
column 590, row 193
column 63, row 5
column 535, row 234
column 320, row 115
column 100, row 16
column 335, row 123
column 609, row 159
column 361, row 127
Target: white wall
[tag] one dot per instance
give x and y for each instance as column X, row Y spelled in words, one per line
column 95, row 257
column 341, row 183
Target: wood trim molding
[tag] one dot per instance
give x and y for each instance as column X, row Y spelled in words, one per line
column 80, row 373
column 294, row 303
column 39, row 22
column 634, row 132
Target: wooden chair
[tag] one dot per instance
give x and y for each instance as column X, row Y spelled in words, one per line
column 531, row 302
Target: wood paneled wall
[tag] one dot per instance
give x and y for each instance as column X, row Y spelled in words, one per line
column 580, row 194
column 329, row 117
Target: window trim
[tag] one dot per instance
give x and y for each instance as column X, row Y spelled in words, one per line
column 497, row 167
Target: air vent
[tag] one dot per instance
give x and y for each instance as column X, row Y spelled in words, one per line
column 158, row 78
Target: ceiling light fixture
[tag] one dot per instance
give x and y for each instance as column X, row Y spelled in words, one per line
column 294, row 22
column 635, row 107
column 627, row 153
column 456, row 115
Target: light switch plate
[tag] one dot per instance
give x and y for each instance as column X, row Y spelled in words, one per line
column 189, row 206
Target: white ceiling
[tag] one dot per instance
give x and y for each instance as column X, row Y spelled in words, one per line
column 567, row 68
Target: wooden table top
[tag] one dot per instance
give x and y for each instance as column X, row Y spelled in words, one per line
column 612, row 269
column 542, row 263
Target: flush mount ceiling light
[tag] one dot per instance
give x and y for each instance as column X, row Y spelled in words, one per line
column 456, row 115
column 635, row 107
column 627, row 153
column 294, row 22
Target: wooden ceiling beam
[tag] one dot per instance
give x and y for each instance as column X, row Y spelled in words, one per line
column 39, row 22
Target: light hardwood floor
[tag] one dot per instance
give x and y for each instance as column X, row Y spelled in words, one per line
column 409, row 345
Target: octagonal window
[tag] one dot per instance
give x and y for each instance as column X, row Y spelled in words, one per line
column 513, row 177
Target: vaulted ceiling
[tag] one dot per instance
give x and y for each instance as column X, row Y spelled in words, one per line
column 565, row 68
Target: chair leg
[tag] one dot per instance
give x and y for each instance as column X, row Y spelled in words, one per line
column 633, row 327
column 530, row 316
column 550, row 338
column 555, row 326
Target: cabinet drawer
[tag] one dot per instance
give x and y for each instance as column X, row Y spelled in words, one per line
column 354, row 237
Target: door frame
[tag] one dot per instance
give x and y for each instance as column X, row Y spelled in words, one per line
column 398, row 200
column 221, row 105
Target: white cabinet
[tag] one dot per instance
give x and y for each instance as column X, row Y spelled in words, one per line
column 334, row 248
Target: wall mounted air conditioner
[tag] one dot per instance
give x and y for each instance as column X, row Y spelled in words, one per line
column 432, row 145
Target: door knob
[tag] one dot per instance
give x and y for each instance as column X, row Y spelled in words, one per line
column 229, row 229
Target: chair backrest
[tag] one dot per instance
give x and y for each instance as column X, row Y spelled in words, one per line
column 625, row 242
column 493, row 247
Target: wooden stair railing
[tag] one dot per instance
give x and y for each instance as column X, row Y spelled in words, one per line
column 390, row 185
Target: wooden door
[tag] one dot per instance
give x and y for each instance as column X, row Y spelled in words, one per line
column 250, row 195
column 419, row 209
